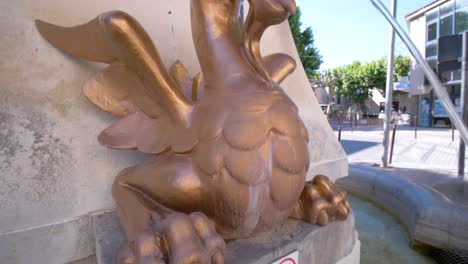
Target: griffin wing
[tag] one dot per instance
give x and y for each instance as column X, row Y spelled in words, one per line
column 155, row 105
column 152, row 102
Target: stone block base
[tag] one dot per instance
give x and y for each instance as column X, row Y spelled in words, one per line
column 335, row 243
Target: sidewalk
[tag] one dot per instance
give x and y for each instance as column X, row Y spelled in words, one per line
column 432, row 150
column 431, row 159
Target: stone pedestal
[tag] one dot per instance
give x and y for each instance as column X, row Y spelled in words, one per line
column 335, row 243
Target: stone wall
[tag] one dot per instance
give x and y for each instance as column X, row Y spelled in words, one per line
column 54, row 174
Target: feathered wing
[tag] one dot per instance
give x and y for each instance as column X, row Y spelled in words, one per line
column 135, row 85
column 86, row 41
column 137, row 82
column 279, row 66
column 192, row 88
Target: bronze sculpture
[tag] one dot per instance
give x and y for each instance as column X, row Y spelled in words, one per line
column 230, row 150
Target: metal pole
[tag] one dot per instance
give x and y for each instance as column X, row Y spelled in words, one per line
column 393, row 143
column 339, row 133
column 453, row 132
column 389, row 91
column 368, row 110
column 415, row 127
column 463, row 105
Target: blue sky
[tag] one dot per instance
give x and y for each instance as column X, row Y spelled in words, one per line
column 352, row 30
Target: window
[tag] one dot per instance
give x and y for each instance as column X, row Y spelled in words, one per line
column 461, row 21
column 446, row 26
column 446, row 77
column 457, row 75
column 446, row 8
column 432, row 32
column 432, row 63
column 432, row 15
column 450, row 76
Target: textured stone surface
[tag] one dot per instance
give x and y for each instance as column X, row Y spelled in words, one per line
column 88, row 260
column 57, row 243
column 315, row 244
column 53, row 169
column 355, row 256
column 110, row 237
column 430, row 216
column 322, row 245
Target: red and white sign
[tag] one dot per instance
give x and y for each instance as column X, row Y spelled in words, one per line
column 292, row 258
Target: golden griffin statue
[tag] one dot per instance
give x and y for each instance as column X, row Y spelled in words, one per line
column 229, row 150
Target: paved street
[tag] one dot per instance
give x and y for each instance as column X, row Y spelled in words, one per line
column 433, row 149
column 431, row 159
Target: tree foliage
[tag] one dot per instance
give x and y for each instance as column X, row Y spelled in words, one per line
column 357, row 79
column 309, row 54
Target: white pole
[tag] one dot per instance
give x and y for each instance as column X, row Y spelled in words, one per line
column 463, row 105
column 389, row 91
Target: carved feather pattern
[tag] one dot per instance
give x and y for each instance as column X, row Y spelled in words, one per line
column 256, row 165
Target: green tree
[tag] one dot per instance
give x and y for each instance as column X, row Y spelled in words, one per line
column 309, row 54
column 376, row 71
column 356, row 80
column 375, row 74
column 351, row 81
column 402, row 67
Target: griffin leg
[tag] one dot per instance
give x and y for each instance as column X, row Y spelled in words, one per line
column 321, row 202
column 152, row 199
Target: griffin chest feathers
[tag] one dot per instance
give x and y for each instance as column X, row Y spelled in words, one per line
column 254, row 161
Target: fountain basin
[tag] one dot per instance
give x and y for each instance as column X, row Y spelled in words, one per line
column 430, row 217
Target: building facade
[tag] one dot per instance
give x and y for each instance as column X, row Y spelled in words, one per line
column 427, row 25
